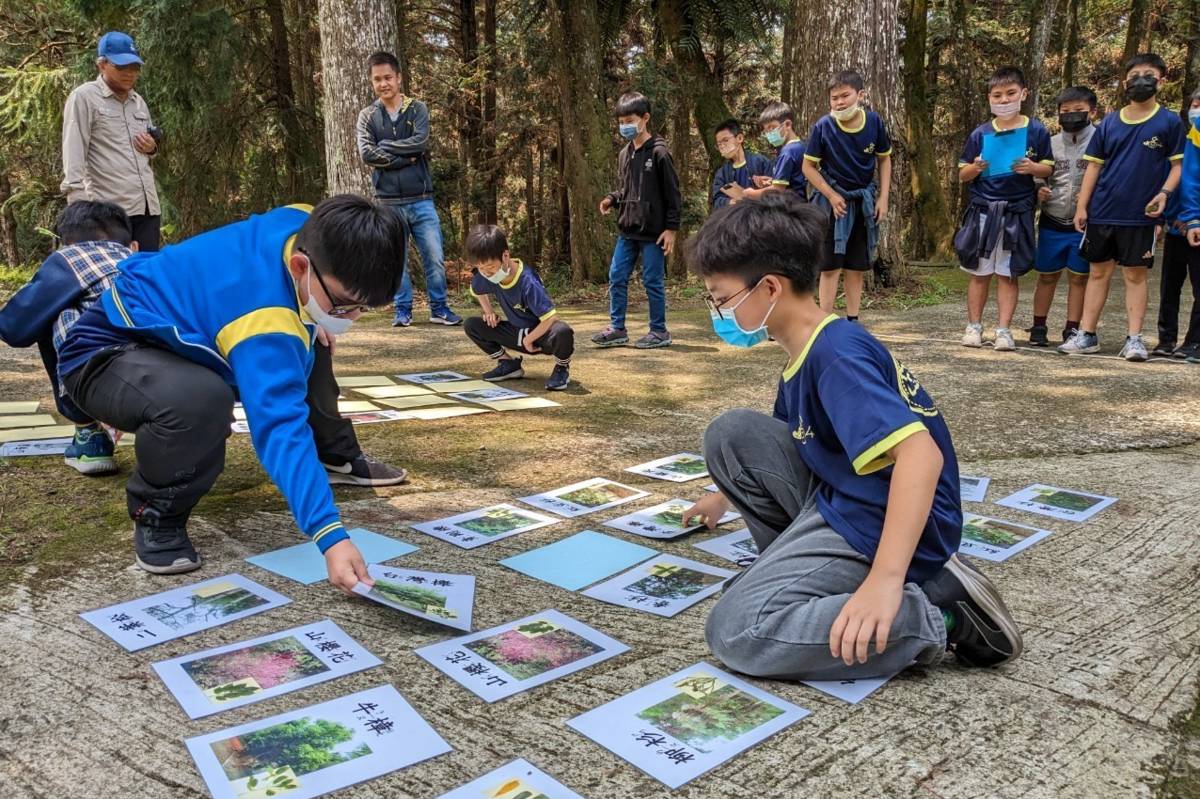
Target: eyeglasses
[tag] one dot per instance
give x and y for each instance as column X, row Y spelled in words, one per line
column 336, row 308
column 714, row 305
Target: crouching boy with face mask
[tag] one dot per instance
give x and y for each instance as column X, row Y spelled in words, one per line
column 850, row 488
column 163, row 351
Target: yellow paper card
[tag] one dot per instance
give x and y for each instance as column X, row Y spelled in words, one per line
column 388, row 392
column 26, row 420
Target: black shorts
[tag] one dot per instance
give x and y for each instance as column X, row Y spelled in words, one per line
column 1128, row 245
column 857, row 257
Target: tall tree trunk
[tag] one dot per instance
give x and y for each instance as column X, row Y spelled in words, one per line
column 8, row 223
column 491, row 167
column 696, row 77
column 587, row 156
column 350, row 31
column 530, row 198
column 680, row 150
column 1071, row 50
column 540, row 217
column 405, row 41
column 930, row 224
column 967, row 101
column 1042, row 17
column 789, row 50
column 294, row 141
column 866, row 36
column 1135, row 33
column 470, row 113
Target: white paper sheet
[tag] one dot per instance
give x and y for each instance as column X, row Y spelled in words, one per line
column 676, row 468
column 369, row 417
column 172, row 614
column 688, row 723
column 852, row 691
column 478, row 527
column 587, row 496
column 519, row 779
column 737, row 546
column 49, row 446
column 344, row 742
column 665, row 585
column 514, row 657
column 37, row 433
column 482, row 395
column 426, row 378
column 440, row 598
column 996, row 540
column 1058, row 503
column 250, row 671
column 662, row 521
column 973, row 489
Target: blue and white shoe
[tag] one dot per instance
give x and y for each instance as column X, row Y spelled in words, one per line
column 403, row 318
column 444, row 316
column 90, row 452
column 560, row 378
column 506, row 369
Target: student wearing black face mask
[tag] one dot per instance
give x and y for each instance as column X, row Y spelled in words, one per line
column 1134, row 165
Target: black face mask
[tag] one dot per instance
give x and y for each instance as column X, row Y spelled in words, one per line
column 1141, row 88
column 1073, row 121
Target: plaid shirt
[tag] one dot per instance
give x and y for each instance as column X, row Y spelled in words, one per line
column 94, row 265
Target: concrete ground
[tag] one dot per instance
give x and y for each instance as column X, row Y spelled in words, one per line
column 1102, row 704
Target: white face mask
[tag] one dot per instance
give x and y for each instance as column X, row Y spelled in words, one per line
column 333, row 325
column 499, row 276
column 1006, row 109
column 846, row 114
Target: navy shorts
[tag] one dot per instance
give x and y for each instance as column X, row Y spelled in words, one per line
column 1059, row 249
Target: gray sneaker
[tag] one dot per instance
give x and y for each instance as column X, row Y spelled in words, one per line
column 1004, row 340
column 973, row 336
column 1081, row 344
column 365, row 471
column 653, row 340
column 1134, row 349
column 164, row 550
column 610, row 337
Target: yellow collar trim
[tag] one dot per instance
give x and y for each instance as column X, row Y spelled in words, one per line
column 739, row 166
column 795, row 365
column 845, row 129
column 998, row 129
column 1138, row 121
column 516, row 275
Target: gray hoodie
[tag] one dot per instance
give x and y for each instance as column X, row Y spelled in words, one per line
column 1067, row 178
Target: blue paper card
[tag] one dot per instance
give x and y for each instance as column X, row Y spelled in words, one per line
column 304, row 563
column 580, row 560
column 1002, row 149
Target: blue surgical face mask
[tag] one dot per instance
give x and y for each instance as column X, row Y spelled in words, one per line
column 726, row 326
column 1194, row 116
column 629, row 131
column 775, row 137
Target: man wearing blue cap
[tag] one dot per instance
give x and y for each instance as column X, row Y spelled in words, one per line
column 108, row 140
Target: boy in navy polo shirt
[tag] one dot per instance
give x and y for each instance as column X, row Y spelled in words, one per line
column 1134, row 165
column 851, row 488
column 843, row 150
column 531, row 324
column 740, row 167
column 996, row 237
column 787, row 174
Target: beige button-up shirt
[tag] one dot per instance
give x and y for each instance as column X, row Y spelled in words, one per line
column 99, row 159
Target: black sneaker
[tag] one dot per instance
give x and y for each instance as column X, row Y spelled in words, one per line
column 1164, row 349
column 165, row 550
column 560, row 378
column 1187, row 351
column 984, row 633
column 365, row 471
column 1039, row 336
column 506, row 369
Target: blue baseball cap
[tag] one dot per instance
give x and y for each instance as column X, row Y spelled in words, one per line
column 118, row 48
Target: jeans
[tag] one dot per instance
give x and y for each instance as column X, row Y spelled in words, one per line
column 654, row 268
column 774, row 618
column 422, row 221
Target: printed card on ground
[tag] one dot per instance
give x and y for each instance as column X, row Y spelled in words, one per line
column 996, row 540
column 182, row 611
column 523, row 404
column 441, row 598
column 440, row 412
column 426, row 378
column 579, row 560
column 1059, row 503
column 664, row 520
column 392, row 392
column 688, row 723
column 852, row 691
column 362, row 381
column 973, row 489
column 519, row 779
column 37, row 433
column 425, row 401
column 493, row 394
column 588, row 496
column 304, row 563
column 26, row 420
column 19, row 449
column 249, row 671
column 675, row 468
column 478, row 527
column 369, row 417
column 19, row 406
column 317, row 749
column 457, row 386
column 737, row 546
column 712, row 487
column 665, row 586
column 520, row 655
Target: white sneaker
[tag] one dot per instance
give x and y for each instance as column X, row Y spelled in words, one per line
column 1004, row 340
column 1134, row 349
column 973, row 335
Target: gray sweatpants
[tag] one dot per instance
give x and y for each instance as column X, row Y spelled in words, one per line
column 774, row 619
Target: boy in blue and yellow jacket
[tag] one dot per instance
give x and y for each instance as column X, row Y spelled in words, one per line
column 240, row 307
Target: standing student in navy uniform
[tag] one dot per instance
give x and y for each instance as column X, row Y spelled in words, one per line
column 740, row 167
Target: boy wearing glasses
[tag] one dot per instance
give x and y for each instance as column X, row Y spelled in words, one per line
column 850, row 489
column 164, row 349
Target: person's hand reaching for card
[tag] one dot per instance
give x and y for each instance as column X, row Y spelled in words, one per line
column 710, row 509
column 346, row 566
